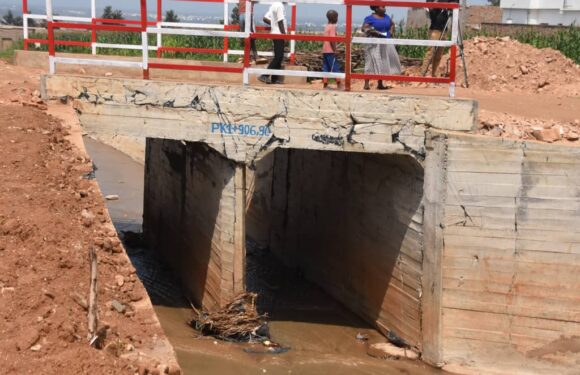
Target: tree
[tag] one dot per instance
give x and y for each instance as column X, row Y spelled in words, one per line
column 494, row 3
column 235, row 16
column 112, row 14
column 9, row 19
column 171, row 16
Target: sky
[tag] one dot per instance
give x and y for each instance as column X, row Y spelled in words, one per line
column 306, row 13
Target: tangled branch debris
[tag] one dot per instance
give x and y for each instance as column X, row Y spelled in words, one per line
column 238, row 321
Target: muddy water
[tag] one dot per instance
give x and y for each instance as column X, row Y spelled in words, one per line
column 320, row 333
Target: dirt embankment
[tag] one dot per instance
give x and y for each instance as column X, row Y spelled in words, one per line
column 509, row 69
column 51, row 212
column 506, row 65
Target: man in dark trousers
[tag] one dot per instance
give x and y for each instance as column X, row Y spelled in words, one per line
column 439, row 18
column 276, row 18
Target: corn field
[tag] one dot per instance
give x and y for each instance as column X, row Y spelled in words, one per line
column 566, row 41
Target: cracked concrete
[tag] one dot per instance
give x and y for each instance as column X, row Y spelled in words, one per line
column 334, row 121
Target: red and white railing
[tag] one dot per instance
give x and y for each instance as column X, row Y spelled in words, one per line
column 159, row 24
column 226, row 31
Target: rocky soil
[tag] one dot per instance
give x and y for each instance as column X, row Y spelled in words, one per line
column 51, row 212
column 507, row 67
column 517, row 127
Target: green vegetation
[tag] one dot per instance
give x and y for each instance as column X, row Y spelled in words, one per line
column 8, row 54
column 567, row 41
column 171, row 16
column 113, row 14
column 9, row 19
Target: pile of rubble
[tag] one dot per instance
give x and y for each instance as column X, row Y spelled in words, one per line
column 27, row 98
column 514, row 127
column 504, row 64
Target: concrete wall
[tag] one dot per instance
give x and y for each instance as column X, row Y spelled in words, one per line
column 193, row 217
column 353, row 223
column 9, row 35
column 259, row 181
column 511, row 256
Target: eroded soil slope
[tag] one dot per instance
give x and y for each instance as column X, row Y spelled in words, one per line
column 50, row 213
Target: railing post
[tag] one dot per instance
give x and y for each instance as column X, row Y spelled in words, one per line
column 49, row 11
column 247, row 42
column 455, row 26
column 144, row 39
column 453, row 52
column 292, row 32
column 226, row 23
column 348, row 52
column 51, row 49
column 452, row 70
column 94, row 30
column 159, row 20
column 25, row 23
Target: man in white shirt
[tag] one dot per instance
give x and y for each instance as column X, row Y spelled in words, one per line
column 276, row 18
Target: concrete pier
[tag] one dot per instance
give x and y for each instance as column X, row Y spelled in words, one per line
column 466, row 247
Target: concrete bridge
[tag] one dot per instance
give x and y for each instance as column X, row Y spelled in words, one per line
column 467, row 247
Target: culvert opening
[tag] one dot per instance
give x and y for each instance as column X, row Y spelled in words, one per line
column 320, row 331
column 349, row 223
column 319, row 235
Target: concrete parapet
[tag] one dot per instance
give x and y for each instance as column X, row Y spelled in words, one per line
column 246, row 123
column 39, row 60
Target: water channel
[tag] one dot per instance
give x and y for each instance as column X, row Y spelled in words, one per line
column 321, row 333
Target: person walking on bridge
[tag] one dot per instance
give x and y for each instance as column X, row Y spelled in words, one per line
column 276, row 18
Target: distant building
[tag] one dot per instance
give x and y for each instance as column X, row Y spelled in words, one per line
column 475, row 15
column 541, row 12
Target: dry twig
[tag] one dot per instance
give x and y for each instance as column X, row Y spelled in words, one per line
column 93, row 309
